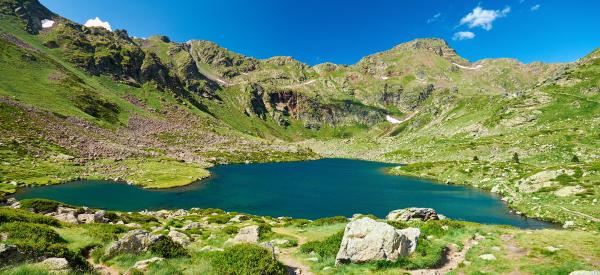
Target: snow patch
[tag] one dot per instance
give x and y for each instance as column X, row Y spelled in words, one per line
column 392, row 120
column 468, row 68
column 47, row 23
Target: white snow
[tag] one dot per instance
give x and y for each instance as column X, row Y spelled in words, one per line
column 47, row 23
column 468, row 68
column 392, row 120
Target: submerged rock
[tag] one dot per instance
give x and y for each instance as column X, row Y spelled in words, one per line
column 413, row 213
column 368, row 240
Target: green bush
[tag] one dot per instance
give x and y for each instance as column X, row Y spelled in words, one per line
column 111, row 216
column 246, row 259
column 325, row 248
column 290, row 243
column 329, row 220
column 174, row 223
column 40, row 205
column 427, row 255
column 31, row 232
column 137, row 218
column 18, row 215
column 296, row 222
column 167, row 248
column 220, row 219
column 207, row 211
column 230, row 229
column 104, row 232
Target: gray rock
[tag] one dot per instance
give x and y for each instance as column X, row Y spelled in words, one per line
column 487, row 257
column 412, row 213
column 9, row 254
column 143, row 264
column 239, row 218
column 179, row 237
column 67, row 217
column 585, row 272
column 56, row 264
column 248, row 234
column 192, row 225
column 368, row 240
column 135, row 241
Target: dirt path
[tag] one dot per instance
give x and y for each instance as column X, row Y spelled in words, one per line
column 453, row 258
column 292, row 264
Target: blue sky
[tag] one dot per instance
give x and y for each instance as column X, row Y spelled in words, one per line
column 315, row 31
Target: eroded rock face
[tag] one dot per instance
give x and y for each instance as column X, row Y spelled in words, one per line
column 248, row 234
column 134, row 241
column 368, row 240
column 413, row 213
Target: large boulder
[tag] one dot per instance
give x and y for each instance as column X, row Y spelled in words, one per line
column 135, row 241
column 367, row 240
column 248, row 234
column 55, row 264
column 413, row 213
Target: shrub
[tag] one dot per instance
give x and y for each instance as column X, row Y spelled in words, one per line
column 111, row 216
column 220, row 219
column 59, row 250
column 174, row 223
column 246, row 259
column 329, row 220
column 167, row 248
column 230, row 229
column 31, row 232
column 137, row 218
column 297, row 222
column 325, row 248
column 290, row 243
column 18, row 215
column 427, row 255
column 207, row 211
column 104, row 232
column 40, row 205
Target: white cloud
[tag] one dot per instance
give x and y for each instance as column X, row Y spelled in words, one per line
column 47, row 23
column 536, row 7
column 96, row 22
column 483, row 18
column 434, row 18
column 463, row 36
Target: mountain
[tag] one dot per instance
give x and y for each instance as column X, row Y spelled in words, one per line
column 79, row 102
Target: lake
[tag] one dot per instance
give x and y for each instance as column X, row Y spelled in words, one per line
column 309, row 189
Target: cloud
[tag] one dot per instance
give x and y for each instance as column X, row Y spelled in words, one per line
column 483, row 18
column 463, row 36
column 96, row 22
column 536, row 7
column 436, row 17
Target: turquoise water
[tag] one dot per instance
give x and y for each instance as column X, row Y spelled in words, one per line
column 310, row 189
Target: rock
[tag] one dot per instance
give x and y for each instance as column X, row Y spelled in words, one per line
column 368, row 240
column 67, row 217
column 134, row 241
column 210, row 248
column 585, row 272
column 568, row 224
column 96, row 217
column 179, row 237
column 412, row 213
column 541, row 179
column 239, row 218
column 192, row 225
column 569, row 191
column 248, row 234
column 9, row 254
column 143, row 264
column 487, row 257
column 552, row 248
column 56, row 264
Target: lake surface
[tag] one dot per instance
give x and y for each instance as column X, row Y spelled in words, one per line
column 310, row 189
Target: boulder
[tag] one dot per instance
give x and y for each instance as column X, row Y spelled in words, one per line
column 143, row 264
column 487, row 257
column 248, row 234
column 192, row 225
column 239, row 218
column 412, row 213
column 67, row 217
column 179, row 237
column 55, row 264
column 367, row 240
column 134, row 241
column 96, row 217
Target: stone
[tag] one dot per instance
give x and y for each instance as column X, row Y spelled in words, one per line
column 568, row 224
column 412, row 213
column 179, row 237
column 134, row 241
column 552, row 248
column 209, row 248
column 239, row 218
column 192, row 225
column 96, row 217
column 143, row 264
column 248, row 234
column 67, row 217
column 487, row 257
column 367, row 240
column 569, row 191
column 56, row 264
column 585, row 272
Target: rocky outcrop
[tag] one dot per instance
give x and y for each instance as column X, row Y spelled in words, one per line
column 368, row 240
column 135, row 241
column 413, row 213
column 248, row 234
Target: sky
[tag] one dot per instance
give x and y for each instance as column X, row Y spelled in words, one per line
column 317, row 31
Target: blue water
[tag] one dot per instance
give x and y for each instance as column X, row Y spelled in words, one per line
column 310, row 189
